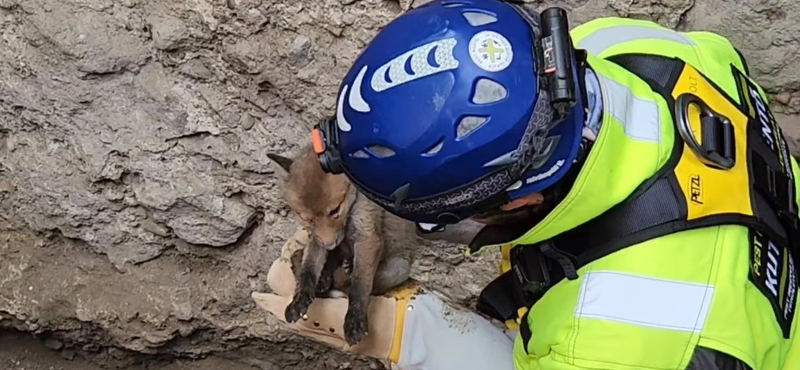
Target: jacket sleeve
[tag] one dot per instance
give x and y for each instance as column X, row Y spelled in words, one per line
column 439, row 335
column 709, row 49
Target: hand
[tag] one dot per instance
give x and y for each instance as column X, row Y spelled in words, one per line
column 324, row 321
column 411, row 327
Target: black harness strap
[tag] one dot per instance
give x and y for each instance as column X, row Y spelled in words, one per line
column 656, row 209
column 502, row 298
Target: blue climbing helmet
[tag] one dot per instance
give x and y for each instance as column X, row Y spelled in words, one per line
column 455, row 108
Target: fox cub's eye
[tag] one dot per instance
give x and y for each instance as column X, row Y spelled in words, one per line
column 335, row 212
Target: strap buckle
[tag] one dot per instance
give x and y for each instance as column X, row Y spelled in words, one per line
column 521, row 286
column 776, row 187
column 530, row 269
column 564, row 259
column 531, row 275
column 717, row 147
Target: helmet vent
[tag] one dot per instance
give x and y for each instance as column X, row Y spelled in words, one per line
column 359, row 154
column 469, row 124
column 380, row 151
column 435, row 149
column 476, row 19
column 488, row 91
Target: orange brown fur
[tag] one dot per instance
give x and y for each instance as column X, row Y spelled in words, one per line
column 345, row 226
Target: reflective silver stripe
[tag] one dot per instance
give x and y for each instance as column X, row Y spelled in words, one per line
column 640, row 118
column 644, row 301
column 604, row 38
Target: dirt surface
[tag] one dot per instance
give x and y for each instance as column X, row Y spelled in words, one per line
column 22, row 352
column 138, row 209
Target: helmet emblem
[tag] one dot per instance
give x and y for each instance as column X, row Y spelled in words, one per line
column 490, row 51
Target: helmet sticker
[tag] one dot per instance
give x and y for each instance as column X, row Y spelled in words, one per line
column 490, row 51
column 354, row 99
column 341, row 120
column 431, row 58
column 547, row 174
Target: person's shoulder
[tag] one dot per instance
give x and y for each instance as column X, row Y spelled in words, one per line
column 609, row 36
column 593, row 25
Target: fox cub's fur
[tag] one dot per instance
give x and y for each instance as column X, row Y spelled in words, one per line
column 346, row 227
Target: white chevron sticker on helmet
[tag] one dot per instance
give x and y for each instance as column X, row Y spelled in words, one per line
column 341, row 121
column 393, row 73
column 355, row 100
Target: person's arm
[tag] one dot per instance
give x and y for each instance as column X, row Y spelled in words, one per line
column 414, row 328
column 418, row 331
column 437, row 335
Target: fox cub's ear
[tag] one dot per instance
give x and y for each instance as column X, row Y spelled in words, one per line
column 283, row 164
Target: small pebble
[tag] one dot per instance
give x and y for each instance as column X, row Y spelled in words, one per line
column 783, row 98
column 247, row 121
column 53, row 344
column 68, row 354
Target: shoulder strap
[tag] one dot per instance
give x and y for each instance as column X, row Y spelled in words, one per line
column 657, row 208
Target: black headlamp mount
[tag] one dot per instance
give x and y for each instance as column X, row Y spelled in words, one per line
column 325, row 137
column 554, row 55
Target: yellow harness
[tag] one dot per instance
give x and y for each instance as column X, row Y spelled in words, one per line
column 730, row 165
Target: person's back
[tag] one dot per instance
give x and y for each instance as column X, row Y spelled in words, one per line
column 687, row 298
column 661, row 196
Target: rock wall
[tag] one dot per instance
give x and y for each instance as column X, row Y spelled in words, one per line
column 138, row 209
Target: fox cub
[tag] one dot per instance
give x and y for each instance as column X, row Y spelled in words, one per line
column 348, row 232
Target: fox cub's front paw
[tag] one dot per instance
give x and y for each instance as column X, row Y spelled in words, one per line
column 325, row 282
column 355, row 325
column 298, row 307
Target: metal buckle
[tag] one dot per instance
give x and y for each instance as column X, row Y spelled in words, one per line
column 721, row 158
